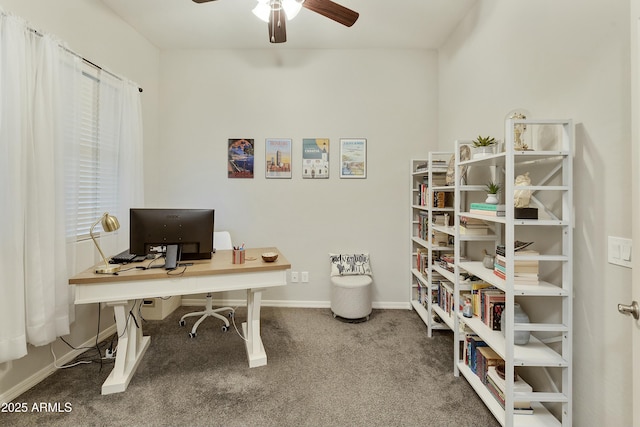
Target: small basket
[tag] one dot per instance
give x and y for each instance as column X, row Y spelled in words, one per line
column 269, row 256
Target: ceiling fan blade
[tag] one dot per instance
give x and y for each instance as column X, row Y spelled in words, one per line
column 277, row 26
column 332, row 11
column 203, row 1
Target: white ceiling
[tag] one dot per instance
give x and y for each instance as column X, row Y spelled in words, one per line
column 183, row 24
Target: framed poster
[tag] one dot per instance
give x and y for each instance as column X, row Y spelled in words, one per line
column 278, row 158
column 315, row 158
column 353, row 158
column 240, row 158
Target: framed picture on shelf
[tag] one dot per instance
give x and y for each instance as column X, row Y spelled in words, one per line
column 240, row 152
column 315, row 158
column 278, row 158
column 353, row 158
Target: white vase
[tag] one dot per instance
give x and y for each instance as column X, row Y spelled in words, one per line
column 492, row 199
column 519, row 316
column 485, row 150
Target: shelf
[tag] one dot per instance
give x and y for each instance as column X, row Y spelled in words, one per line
column 535, row 353
column 446, row 317
column 424, row 183
column 550, row 169
column 541, row 289
column 519, row 157
column 541, row 417
column 517, row 221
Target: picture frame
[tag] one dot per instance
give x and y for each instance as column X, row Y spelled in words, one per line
column 353, row 158
column 315, row 158
column 240, row 155
column 278, row 158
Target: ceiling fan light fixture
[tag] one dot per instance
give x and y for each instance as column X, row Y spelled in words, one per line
column 291, row 8
column 264, row 7
column 262, row 10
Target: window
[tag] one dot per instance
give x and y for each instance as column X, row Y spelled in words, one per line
column 97, row 173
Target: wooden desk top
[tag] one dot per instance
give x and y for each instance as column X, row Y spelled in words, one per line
column 220, row 263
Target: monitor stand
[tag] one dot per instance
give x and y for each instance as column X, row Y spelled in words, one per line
column 171, row 257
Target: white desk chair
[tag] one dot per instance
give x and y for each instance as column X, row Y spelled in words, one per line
column 221, row 240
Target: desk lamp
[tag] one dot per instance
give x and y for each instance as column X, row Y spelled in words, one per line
column 109, row 223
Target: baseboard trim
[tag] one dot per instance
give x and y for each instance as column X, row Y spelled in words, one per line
column 43, row 373
column 198, row 302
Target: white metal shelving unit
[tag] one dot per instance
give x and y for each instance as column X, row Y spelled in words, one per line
column 425, row 173
column 548, row 355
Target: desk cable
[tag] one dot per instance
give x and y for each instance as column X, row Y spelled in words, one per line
column 233, row 321
column 82, row 362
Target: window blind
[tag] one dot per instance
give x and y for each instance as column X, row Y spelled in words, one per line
column 97, row 157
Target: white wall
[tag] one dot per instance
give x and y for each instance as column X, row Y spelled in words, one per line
column 94, row 32
column 634, row 22
column 565, row 59
column 385, row 96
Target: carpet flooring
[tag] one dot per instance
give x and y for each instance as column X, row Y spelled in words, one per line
column 321, row 372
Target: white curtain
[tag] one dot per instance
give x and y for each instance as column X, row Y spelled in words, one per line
column 120, row 135
column 40, row 86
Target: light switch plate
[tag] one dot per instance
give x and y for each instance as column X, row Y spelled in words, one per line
column 619, row 251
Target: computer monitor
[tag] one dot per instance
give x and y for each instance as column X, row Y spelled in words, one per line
column 189, row 231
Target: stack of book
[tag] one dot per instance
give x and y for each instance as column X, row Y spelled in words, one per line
column 496, row 385
column 423, row 225
column 487, row 209
column 486, row 357
column 439, row 199
column 445, row 296
column 525, row 271
column 471, row 344
column 447, row 262
column 473, row 226
column 422, row 261
column 475, row 295
column 491, row 307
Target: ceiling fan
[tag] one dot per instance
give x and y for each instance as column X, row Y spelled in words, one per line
column 275, row 12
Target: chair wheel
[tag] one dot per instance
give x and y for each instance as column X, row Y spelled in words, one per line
column 182, row 322
column 225, row 328
column 231, row 314
column 192, row 334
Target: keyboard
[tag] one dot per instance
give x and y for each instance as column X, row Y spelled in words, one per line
column 126, row 257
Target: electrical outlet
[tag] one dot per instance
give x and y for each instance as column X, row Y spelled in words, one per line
column 294, row 277
column 305, row 277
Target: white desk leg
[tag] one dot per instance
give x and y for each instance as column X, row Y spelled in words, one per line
column 251, row 329
column 131, row 348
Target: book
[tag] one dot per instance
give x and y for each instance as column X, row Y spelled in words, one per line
column 472, row 342
column 486, row 357
column 475, row 295
column 519, row 280
column 487, row 207
column 499, row 396
column 487, row 298
column 472, row 222
column 525, row 266
column 496, row 309
column 519, row 270
column 487, row 213
column 499, row 384
column 474, row 231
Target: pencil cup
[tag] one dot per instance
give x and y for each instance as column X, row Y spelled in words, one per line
column 238, row 256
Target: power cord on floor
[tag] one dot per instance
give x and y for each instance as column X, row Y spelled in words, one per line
column 233, row 321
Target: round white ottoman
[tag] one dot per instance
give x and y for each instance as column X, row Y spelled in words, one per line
column 351, row 296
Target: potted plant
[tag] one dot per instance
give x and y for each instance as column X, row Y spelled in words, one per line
column 483, row 146
column 492, row 192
